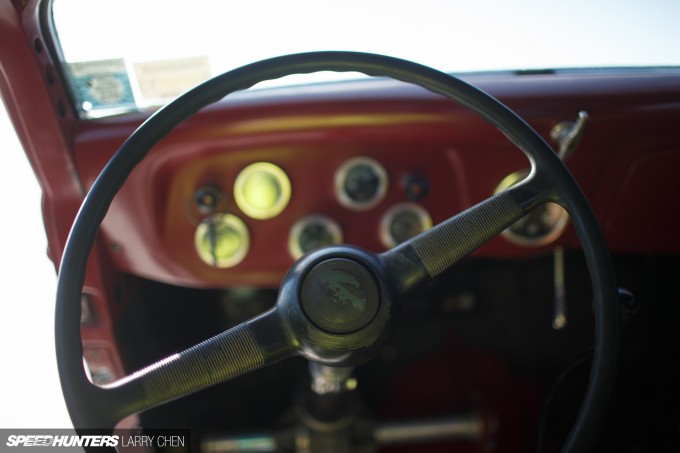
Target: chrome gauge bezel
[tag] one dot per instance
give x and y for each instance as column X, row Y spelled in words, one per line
column 298, row 227
column 342, row 173
column 386, row 221
column 526, row 241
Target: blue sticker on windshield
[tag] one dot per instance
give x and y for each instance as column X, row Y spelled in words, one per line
column 101, row 84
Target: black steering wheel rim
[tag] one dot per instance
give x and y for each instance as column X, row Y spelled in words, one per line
column 559, row 186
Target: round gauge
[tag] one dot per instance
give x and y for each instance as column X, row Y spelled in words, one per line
column 311, row 232
column 222, row 240
column 402, row 222
column 262, row 190
column 207, row 199
column 360, row 183
column 541, row 226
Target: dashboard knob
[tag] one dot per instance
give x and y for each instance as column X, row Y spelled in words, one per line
column 416, row 187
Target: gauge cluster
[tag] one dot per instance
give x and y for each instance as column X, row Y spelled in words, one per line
column 243, row 216
column 263, row 190
column 264, row 214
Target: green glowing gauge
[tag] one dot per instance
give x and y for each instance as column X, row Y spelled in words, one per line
column 222, row 240
column 262, row 190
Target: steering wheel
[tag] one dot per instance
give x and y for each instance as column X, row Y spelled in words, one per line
column 335, row 328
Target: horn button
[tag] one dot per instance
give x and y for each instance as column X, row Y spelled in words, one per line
column 340, row 296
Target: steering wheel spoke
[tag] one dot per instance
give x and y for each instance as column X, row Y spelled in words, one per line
column 430, row 253
column 246, row 347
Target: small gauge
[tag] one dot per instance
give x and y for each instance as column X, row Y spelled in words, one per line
column 360, row 183
column 311, row 232
column 402, row 222
column 207, row 199
column 543, row 225
column 262, row 190
column 222, row 240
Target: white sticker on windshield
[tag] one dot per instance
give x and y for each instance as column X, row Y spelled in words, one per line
column 166, row 79
column 101, row 84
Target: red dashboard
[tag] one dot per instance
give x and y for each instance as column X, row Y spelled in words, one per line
column 310, row 132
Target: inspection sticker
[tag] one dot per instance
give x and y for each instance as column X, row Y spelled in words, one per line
column 101, row 84
column 166, row 79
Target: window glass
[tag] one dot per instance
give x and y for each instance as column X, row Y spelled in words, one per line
column 130, row 54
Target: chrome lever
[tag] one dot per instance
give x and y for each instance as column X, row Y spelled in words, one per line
column 560, row 301
column 568, row 134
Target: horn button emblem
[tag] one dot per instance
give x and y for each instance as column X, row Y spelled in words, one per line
column 340, row 296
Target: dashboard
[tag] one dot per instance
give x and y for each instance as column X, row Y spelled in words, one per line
column 368, row 163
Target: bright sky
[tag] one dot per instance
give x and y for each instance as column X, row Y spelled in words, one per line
column 450, row 35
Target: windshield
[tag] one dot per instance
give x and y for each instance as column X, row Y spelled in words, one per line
column 123, row 55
